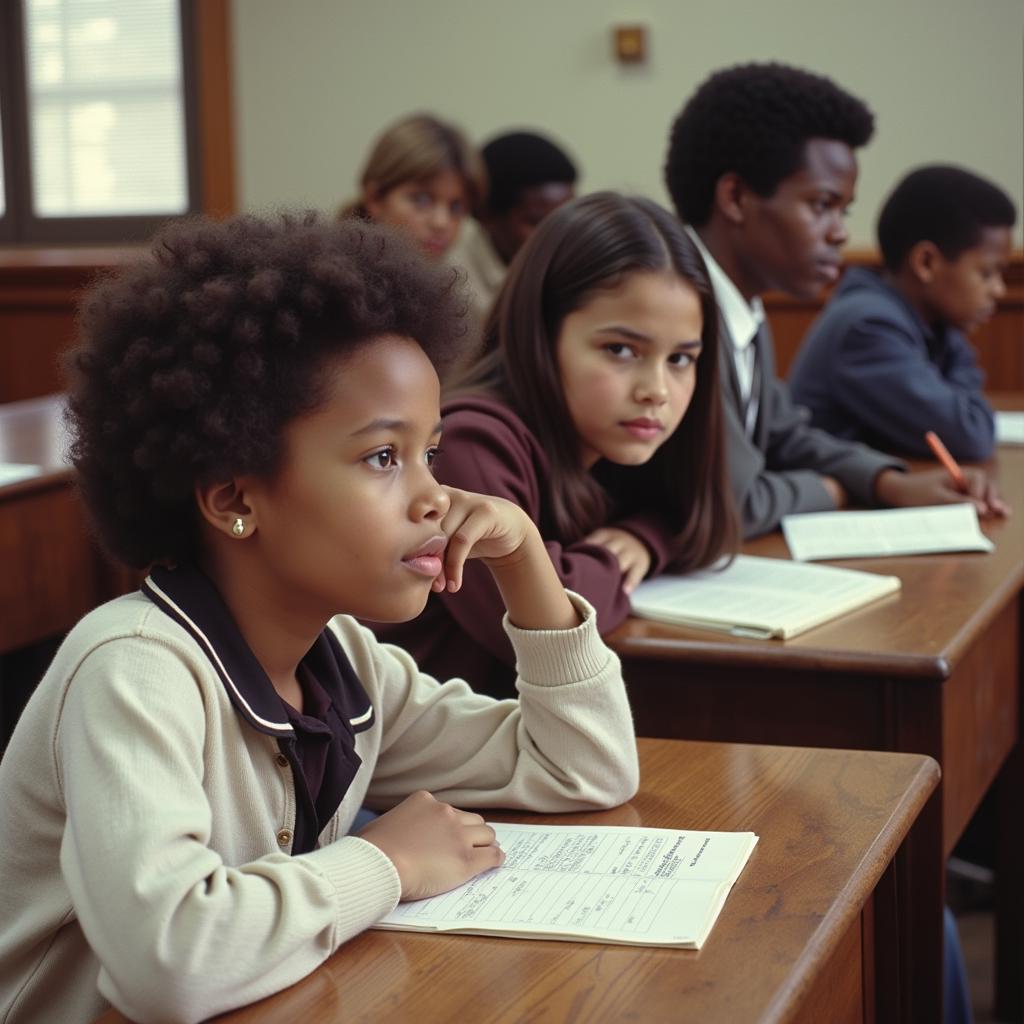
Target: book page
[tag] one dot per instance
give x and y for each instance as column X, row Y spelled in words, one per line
column 766, row 594
column 891, row 531
column 1010, row 428
column 634, row 885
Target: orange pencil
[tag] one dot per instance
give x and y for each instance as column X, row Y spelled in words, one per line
column 956, row 474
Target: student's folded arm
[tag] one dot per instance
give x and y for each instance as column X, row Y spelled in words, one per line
column 656, row 532
column 884, row 378
column 566, row 744
column 959, row 364
column 179, row 933
column 588, row 569
column 482, row 453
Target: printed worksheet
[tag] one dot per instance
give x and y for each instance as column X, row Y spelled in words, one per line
column 629, row 885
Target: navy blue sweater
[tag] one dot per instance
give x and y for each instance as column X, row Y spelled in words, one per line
column 871, row 370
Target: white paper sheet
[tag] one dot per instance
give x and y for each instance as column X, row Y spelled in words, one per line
column 878, row 534
column 1010, row 428
column 623, row 885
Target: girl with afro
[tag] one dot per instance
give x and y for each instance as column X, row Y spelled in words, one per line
column 254, row 413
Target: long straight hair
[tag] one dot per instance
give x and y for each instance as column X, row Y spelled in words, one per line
column 586, row 246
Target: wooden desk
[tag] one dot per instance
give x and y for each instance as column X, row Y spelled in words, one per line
column 935, row 669
column 52, row 573
column 794, row 941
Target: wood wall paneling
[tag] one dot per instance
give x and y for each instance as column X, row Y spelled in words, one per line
column 40, row 289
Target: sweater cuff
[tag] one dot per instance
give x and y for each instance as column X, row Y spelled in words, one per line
column 365, row 882
column 554, row 657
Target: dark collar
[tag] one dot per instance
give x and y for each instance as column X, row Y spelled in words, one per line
column 189, row 597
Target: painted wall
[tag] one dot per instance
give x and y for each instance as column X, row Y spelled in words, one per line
column 317, row 79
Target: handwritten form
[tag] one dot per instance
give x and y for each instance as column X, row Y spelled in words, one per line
column 1010, row 428
column 891, row 531
column 643, row 886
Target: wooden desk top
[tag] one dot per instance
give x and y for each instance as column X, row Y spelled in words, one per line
column 920, row 632
column 829, row 821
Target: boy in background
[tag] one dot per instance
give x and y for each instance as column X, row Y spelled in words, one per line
column 888, row 359
column 761, row 167
column 528, row 177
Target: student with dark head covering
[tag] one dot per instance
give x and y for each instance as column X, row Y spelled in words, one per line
column 529, row 176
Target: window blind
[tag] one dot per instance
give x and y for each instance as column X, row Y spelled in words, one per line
column 105, row 107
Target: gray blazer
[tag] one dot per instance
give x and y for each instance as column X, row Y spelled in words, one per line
column 779, row 469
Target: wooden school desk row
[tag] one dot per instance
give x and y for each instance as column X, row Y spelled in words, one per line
column 933, row 670
column 795, row 941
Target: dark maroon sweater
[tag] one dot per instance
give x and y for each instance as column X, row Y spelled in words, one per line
column 488, row 449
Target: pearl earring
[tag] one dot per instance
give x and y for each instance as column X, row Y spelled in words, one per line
column 238, row 527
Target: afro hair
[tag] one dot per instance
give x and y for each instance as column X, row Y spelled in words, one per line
column 193, row 361
column 755, row 120
column 948, row 206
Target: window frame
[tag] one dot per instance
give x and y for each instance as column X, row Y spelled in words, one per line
column 19, row 224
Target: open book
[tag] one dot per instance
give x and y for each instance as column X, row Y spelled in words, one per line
column 763, row 598
column 596, row 883
column 884, row 532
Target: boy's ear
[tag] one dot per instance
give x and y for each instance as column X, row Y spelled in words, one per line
column 223, row 505
column 730, row 191
column 924, row 261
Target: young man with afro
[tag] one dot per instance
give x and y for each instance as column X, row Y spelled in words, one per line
column 761, row 167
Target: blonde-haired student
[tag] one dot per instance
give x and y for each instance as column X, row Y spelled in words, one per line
column 424, row 177
column 255, row 410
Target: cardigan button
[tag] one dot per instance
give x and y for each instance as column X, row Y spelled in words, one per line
column 281, row 761
column 284, row 837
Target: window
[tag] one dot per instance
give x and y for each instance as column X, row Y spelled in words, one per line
column 98, row 121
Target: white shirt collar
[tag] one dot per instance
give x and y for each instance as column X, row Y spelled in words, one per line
column 742, row 318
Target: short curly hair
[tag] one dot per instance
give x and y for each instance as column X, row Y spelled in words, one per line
column 947, row 205
column 755, row 120
column 193, row 361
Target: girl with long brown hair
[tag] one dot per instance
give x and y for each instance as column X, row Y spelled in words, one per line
column 595, row 408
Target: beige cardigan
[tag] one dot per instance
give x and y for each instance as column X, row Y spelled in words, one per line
column 144, row 826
